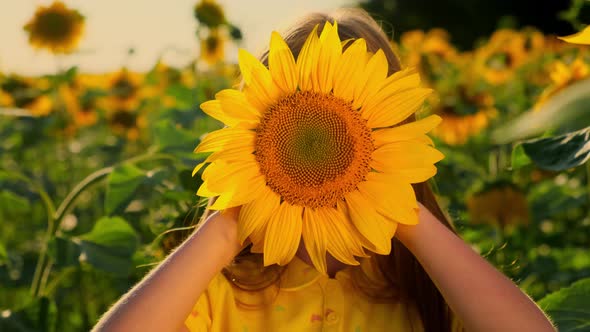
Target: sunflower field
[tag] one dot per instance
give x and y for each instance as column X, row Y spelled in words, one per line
column 96, row 182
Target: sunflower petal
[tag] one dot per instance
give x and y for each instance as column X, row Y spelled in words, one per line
column 225, row 138
column 349, row 69
column 232, row 109
column 260, row 89
column 254, row 215
column 329, row 55
column 307, row 60
column 314, row 237
column 369, row 223
column 342, row 241
column 222, row 175
column 240, row 195
column 396, row 108
column 235, row 104
column 582, row 37
column 283, row 234
column 404, row 79
column 414, row 175
column 404, row 155
column 281, row 63
column 391, row 197
column 371, row 79
column 406, row 131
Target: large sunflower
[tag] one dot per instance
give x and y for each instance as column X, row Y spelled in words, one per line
column 57, row 28
column 310, row 150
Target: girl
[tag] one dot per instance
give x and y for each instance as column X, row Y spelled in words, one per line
column 431, row 280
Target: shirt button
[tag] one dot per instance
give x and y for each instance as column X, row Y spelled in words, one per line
column 331, row 317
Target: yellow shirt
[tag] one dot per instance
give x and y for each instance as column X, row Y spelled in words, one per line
column 305, row 301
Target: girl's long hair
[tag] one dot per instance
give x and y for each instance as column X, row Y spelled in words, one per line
column 406, row 277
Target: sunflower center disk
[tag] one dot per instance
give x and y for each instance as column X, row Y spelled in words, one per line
column 313, row 149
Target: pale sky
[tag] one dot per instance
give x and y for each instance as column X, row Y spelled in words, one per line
column 151, row 27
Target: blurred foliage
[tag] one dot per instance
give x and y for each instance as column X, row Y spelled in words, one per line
column 96, row 185
column 455, row 15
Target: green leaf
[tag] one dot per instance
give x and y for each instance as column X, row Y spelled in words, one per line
column 109, row 246
column 569, row 308
column 170, row 137
column 567, row 111
column 519, row 157
column 114, row 233
column 121, row 186
column 560, row 152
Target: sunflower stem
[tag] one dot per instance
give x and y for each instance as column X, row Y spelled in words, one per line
column 55, row 218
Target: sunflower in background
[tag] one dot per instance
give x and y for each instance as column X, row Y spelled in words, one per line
column 124, row 90
column 501, row 203
column 533, row 42
column 161, row 77
column 563, row 75
column 126, row 123
column 5, row 99
column 430, row 52
column 214, row 31
column 213, row 47
column 209, row 13
column 56, row 28
column 464, row 114
column 80, row 102
column 498, row 60
column 25, row 93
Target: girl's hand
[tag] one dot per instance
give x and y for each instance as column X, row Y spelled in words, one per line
column 409, row 234
column 178, row 281
column 481, row 297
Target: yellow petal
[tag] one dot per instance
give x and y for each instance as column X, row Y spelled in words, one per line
column 396, row 108
column 283, row 234
column 404, row 155
column 391, row 197
column 257, row 237
column 314, row 237
column 231, row 108
column 582, row 37
column 281, row 63
column 349, row 69
column 307, row 60
column 225, row 138
column 399, row 81
column 369, row 223
column 240, row 195
column 342, row 243
column 329, row 55
column 204, row 190
column 222, row 175
column 234, row 103
column 414, row 175
column 260, row 89
column 371, row 79
column 406, row 131
column 254, row 215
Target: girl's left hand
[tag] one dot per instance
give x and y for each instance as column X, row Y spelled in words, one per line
column 481, row 297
